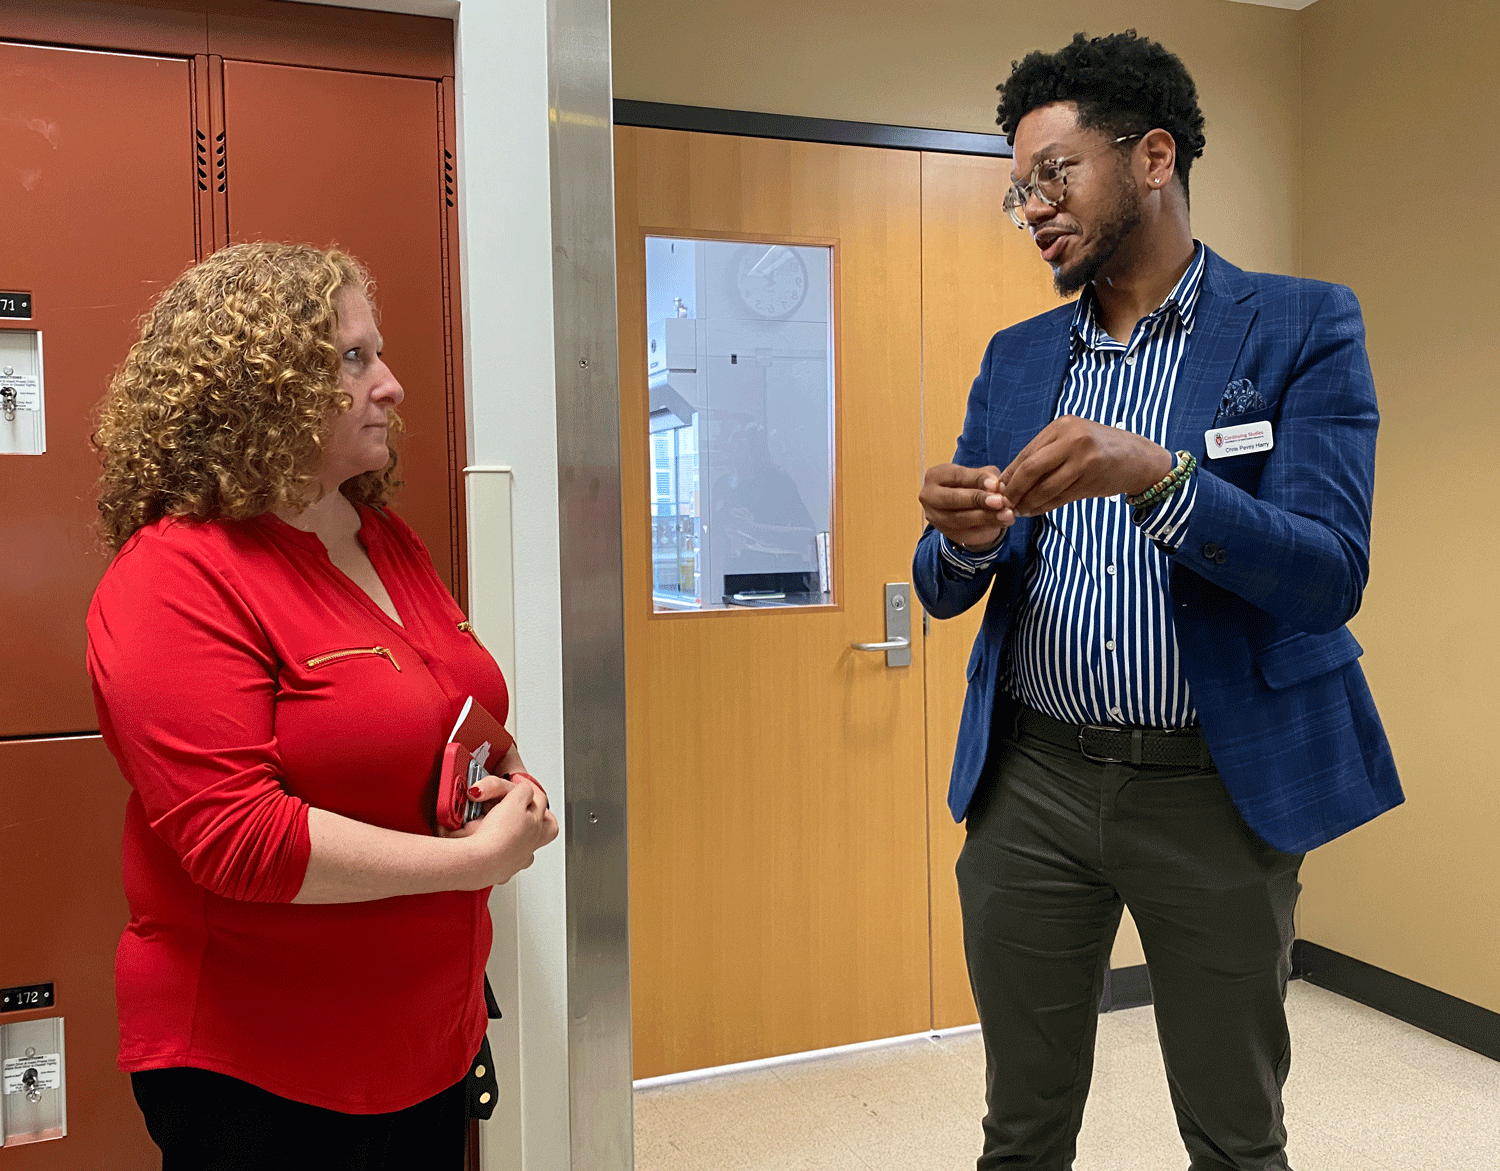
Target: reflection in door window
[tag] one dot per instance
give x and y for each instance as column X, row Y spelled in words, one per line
column 739, row 346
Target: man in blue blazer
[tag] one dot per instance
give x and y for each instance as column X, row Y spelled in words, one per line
column 1165, row 492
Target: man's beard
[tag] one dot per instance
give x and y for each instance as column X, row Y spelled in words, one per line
column 1125, row 217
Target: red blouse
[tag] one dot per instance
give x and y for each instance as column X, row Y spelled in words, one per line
column 240, row 678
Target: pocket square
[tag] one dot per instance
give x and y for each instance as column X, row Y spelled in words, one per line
column 1240, row 397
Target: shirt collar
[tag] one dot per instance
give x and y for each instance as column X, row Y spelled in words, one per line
column 1183, row 299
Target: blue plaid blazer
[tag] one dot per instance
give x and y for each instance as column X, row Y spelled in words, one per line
column 1271, row 567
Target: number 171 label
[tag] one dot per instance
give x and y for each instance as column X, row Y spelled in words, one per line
column 16, row 306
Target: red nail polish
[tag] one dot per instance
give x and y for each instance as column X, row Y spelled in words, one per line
column 475, row 792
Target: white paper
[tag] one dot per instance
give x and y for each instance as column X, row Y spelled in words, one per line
column 462, row 716
column 28, row 390
column 48, row 1068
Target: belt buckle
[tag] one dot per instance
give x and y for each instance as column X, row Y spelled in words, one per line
column 1135, row 745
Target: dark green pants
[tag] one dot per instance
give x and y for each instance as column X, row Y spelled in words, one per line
column 1056, row 845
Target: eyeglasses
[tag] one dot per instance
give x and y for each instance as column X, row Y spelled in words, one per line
column 1049, row 182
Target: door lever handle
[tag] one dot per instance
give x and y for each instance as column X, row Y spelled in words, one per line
column 897, row 644
column 894, row 644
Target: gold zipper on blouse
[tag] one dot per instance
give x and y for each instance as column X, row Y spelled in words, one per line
column 468, row 628
column 383, row 652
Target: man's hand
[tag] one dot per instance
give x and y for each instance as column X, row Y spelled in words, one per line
column 966, row 505
column 1074, row 459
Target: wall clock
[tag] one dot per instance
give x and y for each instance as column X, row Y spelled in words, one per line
column 771, row 279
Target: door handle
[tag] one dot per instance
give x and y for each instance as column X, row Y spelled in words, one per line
column 897, row 644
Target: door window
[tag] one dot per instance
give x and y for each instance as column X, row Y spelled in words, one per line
column 740, row 370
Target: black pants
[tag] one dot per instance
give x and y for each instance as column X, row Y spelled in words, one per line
column 1056, row 844
column 206, row 1121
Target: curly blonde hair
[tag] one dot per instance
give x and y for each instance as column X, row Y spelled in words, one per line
column 221, row 408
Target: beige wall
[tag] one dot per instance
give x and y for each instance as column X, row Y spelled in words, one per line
column 937, row 63
column 1401, row 201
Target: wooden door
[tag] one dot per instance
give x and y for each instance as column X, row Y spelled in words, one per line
column 980, row 273
column 778, row 821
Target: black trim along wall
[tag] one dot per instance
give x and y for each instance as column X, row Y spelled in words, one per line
column 708, row 120
column 1125, row 988
column 1448, row 1017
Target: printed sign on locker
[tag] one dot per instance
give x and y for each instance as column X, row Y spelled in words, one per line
column 23, row 427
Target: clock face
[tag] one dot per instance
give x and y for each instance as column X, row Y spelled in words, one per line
column 771, row 279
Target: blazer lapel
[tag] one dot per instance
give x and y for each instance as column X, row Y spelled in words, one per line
column 1029, row 389
column 1222, row 323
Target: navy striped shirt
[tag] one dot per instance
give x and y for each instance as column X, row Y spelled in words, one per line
column 1093, row 641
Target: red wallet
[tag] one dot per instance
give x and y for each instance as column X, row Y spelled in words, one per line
column 477, row 741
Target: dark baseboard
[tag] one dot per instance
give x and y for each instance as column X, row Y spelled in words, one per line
column 1447, row 1016
column 1437, row 1012
column 1125, row 988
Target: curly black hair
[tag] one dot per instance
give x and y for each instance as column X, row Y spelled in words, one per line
column 1122, row 84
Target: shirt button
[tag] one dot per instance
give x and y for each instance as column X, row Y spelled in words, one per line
column 1121, row 424
column 1130, row 359
column 1109, row 569
column 1109, row 644
column 1114, row 711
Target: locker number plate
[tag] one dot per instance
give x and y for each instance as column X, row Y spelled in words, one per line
column 16, row 306
column 26, row 996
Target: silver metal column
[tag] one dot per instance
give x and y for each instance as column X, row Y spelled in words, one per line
column 593, row 660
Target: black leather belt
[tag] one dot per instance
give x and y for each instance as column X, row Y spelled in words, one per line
column 1158, row 747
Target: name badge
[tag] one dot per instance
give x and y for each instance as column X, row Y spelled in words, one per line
column 1242, row 440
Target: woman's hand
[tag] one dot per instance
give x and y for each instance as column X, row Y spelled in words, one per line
column 512, row 763
column 351, row 862
column 516, row 824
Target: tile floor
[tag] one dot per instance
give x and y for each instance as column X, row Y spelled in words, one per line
column 1367, row 1093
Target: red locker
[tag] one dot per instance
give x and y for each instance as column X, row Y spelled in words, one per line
column 96, row 216
column 324, row 157
column 61, row 817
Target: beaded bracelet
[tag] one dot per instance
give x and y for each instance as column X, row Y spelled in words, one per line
column 1168, row 484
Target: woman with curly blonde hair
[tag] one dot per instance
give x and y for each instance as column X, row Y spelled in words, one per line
column 276, row 666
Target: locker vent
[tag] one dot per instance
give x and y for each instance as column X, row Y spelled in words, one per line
column 220, row 177
column 448, row 176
